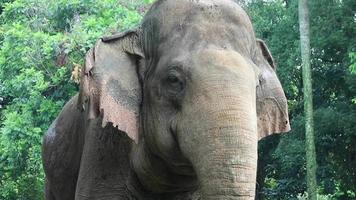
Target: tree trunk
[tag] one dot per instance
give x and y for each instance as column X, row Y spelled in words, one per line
column 308, row 99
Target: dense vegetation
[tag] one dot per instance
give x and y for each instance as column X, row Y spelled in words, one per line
column 43, row 43
column 333, row 42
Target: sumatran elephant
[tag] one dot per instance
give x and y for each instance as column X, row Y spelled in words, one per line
column 171, row 110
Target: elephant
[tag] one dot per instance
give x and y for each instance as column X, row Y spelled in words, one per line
column 172, row 109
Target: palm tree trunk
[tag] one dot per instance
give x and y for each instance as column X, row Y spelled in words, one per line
column 308, row 99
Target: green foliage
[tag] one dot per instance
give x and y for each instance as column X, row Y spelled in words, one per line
column 282, row 170
column 41, row 43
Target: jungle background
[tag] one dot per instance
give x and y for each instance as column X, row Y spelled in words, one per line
column 43, row 44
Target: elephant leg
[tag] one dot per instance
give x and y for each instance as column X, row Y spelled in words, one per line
column 48, row 193
column 63, row 191
column 105, row 165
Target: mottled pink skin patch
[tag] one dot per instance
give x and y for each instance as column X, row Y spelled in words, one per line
column 272, row 120
column 124, row 119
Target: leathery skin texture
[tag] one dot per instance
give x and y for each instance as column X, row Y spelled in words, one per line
column 171, row 110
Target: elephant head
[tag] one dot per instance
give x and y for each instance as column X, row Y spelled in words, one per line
column 195, row 90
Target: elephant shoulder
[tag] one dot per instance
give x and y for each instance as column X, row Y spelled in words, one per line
column 63, row 142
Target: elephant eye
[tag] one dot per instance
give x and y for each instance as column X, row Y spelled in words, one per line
column 174, row 82
column 172, row 79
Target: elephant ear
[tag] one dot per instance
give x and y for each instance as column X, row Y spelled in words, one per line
column 109, row 85
column 271, row 104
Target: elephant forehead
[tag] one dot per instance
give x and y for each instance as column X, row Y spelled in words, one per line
column 189, row 24
column 173, row 13
column 164, row 8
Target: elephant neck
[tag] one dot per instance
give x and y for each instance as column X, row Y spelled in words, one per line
column 135, row 190
column 154, row 178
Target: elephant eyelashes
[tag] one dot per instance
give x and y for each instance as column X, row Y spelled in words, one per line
column 173, row 79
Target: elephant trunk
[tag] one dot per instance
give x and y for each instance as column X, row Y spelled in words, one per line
column 227, row 170
column 223, row 148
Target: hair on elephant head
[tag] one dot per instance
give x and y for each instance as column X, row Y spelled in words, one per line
column 195, row 90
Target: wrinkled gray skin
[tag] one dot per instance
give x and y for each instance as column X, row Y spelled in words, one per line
column 171, row 110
